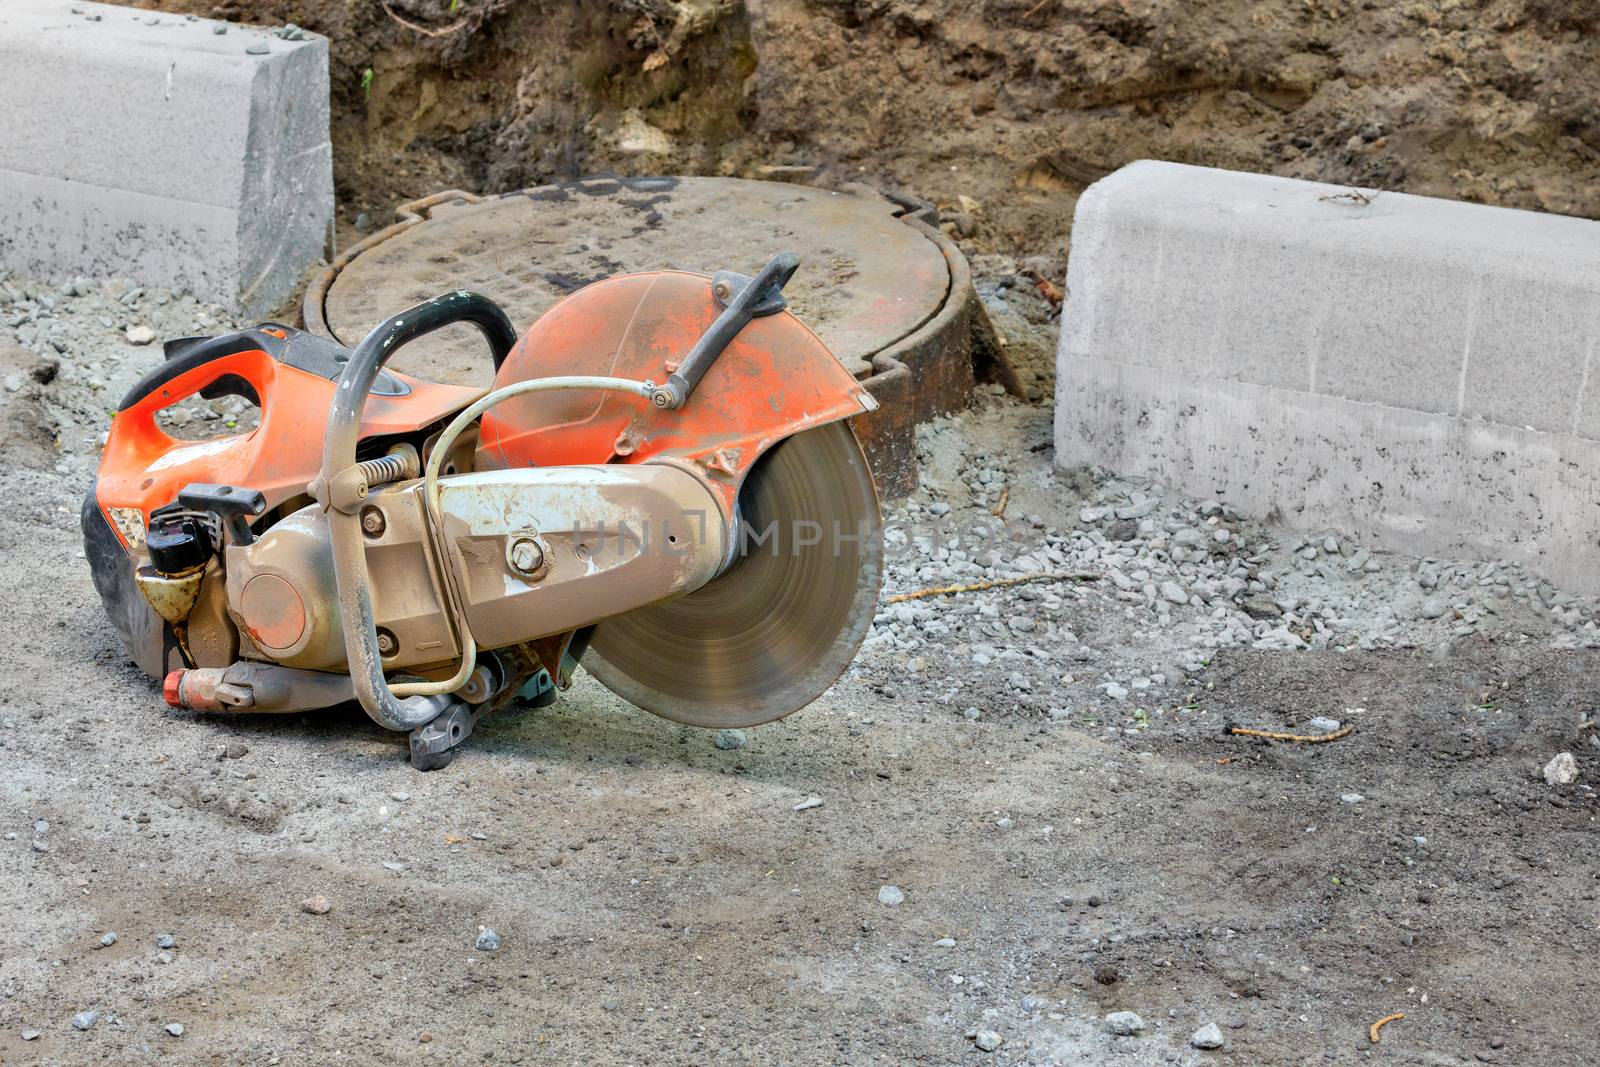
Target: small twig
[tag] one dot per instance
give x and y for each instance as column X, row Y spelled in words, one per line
column 1355, row 196
column 424, row 30
column 1381, row 1023
column 1005, row 498
column 1035, row 9
column 1315, row 739
column 998, row 583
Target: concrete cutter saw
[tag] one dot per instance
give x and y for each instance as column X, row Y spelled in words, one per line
column 660, row 484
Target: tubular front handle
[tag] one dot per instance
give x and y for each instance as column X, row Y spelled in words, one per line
column 339, row 459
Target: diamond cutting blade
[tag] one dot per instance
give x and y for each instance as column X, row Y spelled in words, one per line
column 775, row 629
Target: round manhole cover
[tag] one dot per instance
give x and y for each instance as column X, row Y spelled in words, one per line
column 888, row 295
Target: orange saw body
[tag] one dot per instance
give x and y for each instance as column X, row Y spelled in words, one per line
column 659, row 486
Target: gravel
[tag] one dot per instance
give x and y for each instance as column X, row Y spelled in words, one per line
column 1123, row 1023
column 987, row 1040
column 317, row 905
column 1561, row 770
column 1208, row 1036
column 728, row 740
column 1167, row 583
column 891, row 896
column 1255, row 589
column 85, row 1019
column 488, row 940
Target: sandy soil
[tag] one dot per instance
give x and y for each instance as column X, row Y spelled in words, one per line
column 1014, row 105
column 661, row 901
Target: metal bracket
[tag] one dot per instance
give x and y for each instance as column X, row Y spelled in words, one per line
column 433, row 746
column 726, row 285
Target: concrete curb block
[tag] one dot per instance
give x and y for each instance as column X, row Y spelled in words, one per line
column 147, row 145
column 1410, row 370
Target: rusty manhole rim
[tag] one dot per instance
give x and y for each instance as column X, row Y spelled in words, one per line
column 886, row 360
column 927, row 372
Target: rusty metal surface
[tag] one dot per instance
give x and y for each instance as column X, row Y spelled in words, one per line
column 888, row 295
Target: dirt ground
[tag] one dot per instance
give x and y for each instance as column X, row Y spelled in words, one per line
column 1015, row 105
column 660, row 899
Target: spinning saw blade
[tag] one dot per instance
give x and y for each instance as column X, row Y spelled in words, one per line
column 775, row 629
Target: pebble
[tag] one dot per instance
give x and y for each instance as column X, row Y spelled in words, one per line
column 234, row 750
column 175, row 1029
column 1433, row 608
column 140, row 335
column 808, row 803
column 219, row 28
column 166, row 941
column 1174, row 593
column 945, row 942
column 891, row 895
column 40, row 846
column 987, row 1040
column 85, row 1019
column 1321, row 724
column 108, row 939
column 1351, row 798
column 1561, row 770
column 31, row 1035
column 1208, row 1036
column 317, row 905
column 971, row 713
column 259, row 48
column 1032, row 1004
column 400, row 798
column 728, row 740
column 488, row 940
column 1124, row 1023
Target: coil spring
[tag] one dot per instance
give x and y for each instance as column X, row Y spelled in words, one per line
column 401, row 462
